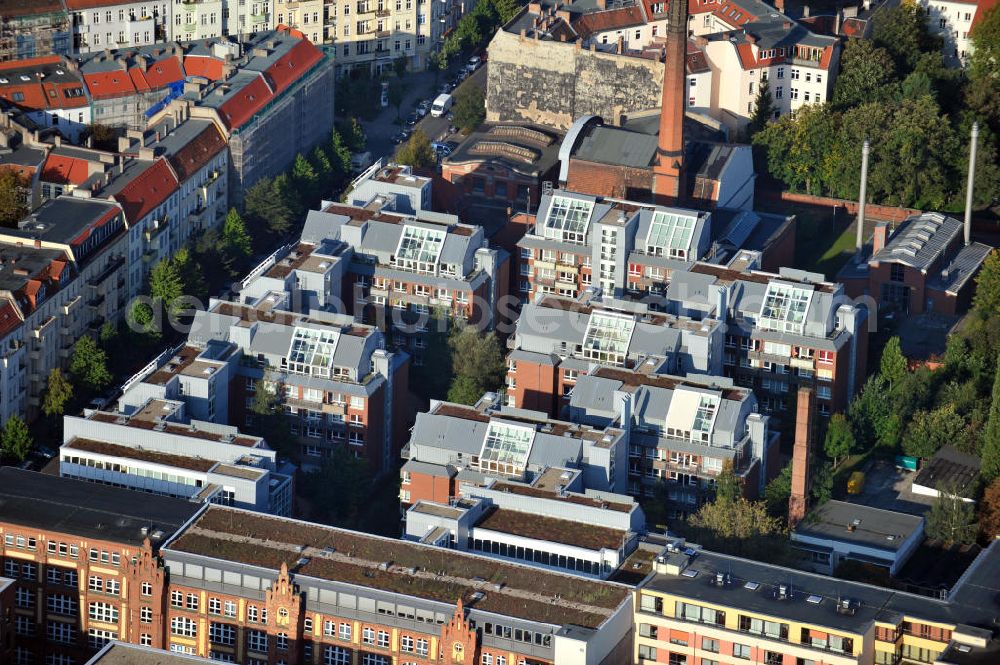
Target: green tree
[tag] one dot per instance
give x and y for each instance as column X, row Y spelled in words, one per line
column 778, row 491
column 951, row 519
column 839, row 440
column 304, row 179
column 763, row 109
column 16, row 439
column 166, row 285
column 89, row 365
column 477, row 364
column 353, row 135
column 341, row 488
column 267, row 204
column 986, row 301
column 397, row 95
column 324, row 170
column 903, row 32
column 984, row 63
column 142, row 319
column 107, row 334
column 340, row 158
column 190, row 271
column 867, row 74
column 417, row 152
column 58, row 393
column 892, row 367
column 740, row 527
column 821, row 484
column 433, row 376
column 927, row 431
column 797, row 146
column 235, row 243
column 727, row 485
column 13, row 204
column 269, row 420
column 286, row 193
column 470, row 108
column 990, row 468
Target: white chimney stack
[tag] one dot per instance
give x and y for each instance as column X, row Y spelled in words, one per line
column 862, row 197
column 971, row 182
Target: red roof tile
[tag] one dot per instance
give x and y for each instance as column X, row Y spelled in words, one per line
column 10, row 316
column 105, row 218
column 164, row 72
column 245, row 103
column 982, row 7
column 146, row 191
column 64, row 170
column 289, row 67
column 103, row 85
column 204, row 66
column 198, row 152
column 612, row 19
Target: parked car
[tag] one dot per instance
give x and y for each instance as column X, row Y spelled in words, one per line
column 412, row 119
column 384, row 99
column 401, row 137
column 46, row 453
column 445, row 88
column 473, row 64
column 441, row 105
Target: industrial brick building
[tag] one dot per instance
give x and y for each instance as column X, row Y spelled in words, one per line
column 91, row 564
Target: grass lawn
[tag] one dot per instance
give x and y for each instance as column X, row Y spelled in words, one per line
column 822, row 244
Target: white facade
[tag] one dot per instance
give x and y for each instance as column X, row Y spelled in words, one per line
column 952, row 22
column 115, row 25
column 204, row 19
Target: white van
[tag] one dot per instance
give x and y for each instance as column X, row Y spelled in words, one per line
column 441, row 105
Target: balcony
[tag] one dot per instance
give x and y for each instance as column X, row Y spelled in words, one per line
column 382, row 34
column 383, row 13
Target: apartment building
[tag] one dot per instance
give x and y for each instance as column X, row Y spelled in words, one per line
column 683, row 431
column 33, row 29
column 700, row 606
column 67, row 277
column 579, row 242
column 404, row 191
column 158, row 448
column 546, row 522
column 216, row 582
column 953, row 21
column 401, row 270
column 111, row 24
column 453, row 448
column 374, row 33
column 193, row 20
column 557, row 340
column 306, row 16
column 48, row 89
column 338, row 384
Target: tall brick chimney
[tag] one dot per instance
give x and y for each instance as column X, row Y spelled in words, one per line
column 668, row 171
column 801, row 455
column 880, row 237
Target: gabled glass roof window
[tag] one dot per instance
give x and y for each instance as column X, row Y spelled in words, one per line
column 608, row 336
column 568, row 219
column 311, row 352
column 506, row 448
column 419, row 248
column 670, row 235
column 785, row 308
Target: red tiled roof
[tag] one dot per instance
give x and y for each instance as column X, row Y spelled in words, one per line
column 289, row 67
column 192, row 157
column 146, row 191
column 853, row 27
column 204, row 66
column 103, row 85
column 612, row 19
column 245, row 103
column 64, row 170
column 164, row 72
column 26, row 63
column 10, row 316
column 982, row 7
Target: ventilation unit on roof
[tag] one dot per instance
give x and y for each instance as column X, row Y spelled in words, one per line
column 784, row 592
column 847, row 606
column 722, row 579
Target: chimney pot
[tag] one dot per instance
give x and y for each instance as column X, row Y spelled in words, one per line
column 880, row 237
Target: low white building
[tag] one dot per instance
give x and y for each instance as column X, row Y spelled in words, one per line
column 838, row 531
column 542, row 524
column 110, row 24
column 158, row 449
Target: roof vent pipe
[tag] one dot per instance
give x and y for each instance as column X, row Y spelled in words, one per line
column 969, row 186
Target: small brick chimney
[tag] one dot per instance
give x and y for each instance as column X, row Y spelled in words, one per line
column 880, row 237
column 801, row 454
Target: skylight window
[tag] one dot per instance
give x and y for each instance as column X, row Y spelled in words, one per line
column 506, row 448
column 815, row 600
column 608, row 336
column 311, row 352
column 670, row 235
column 785, row 307
column 568, row 219
column 419, row 248
column 751, row 586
